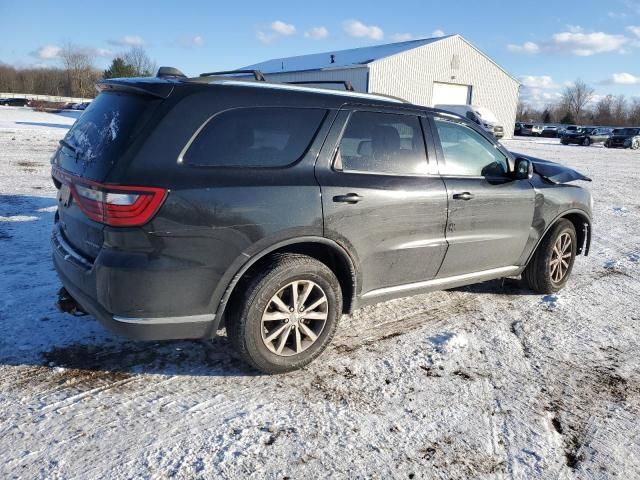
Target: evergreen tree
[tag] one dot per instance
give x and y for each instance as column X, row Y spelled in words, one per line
column 546, row 116
column 119, row 69
column 567, row 119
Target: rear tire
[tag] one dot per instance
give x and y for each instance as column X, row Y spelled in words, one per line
column 551, row 265
column 586, row 142
column 267, row 324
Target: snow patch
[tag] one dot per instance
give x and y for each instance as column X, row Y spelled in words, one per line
column 18, row 218
column 620, row 211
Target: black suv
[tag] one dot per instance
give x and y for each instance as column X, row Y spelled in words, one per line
column 586, row 136
column 186, row 205
column 624, row 138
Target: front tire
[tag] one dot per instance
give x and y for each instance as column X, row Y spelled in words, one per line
column 586, row 142
column 286, row 315
column 551, row 265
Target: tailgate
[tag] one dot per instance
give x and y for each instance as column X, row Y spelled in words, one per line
column 101, row 138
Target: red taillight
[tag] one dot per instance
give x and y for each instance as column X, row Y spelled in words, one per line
column 114, row 205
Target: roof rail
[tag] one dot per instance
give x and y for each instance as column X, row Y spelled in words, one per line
column 348, row 86
column 164, row 72
column 256, row 73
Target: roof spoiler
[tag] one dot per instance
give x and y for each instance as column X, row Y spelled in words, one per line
column 256, row 73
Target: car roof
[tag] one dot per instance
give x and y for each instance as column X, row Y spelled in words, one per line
column 323, row 97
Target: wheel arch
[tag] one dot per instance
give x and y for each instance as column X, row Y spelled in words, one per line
column 582, row 224
column 322, row 249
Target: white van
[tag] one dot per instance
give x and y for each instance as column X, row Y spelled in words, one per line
column 481, row 115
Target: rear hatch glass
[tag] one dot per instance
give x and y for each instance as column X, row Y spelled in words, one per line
column 102, row 134
column 98, row 139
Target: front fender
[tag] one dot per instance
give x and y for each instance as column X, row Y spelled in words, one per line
column 554, row 202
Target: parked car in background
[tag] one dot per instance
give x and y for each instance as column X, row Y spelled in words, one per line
column 585, row 136
column 480, row 115
column 80, row 106
column 14, row 102
column 550, row 131
column 517, row 128
column 530, row 129
column 624, row 138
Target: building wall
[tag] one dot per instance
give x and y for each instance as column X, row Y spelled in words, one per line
column 411, row 75
column 357, row 77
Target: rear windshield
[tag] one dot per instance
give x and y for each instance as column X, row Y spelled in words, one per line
column 103, row 132
column 255, row 137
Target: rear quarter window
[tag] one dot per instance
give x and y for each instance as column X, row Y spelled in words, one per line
column 255, row 137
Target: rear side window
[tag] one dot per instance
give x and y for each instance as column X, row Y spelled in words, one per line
column 255, row 137
column 382, row 143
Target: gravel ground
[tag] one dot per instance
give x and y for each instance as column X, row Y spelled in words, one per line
column 487, row 381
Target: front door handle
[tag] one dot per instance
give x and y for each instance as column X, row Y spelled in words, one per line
column 348, row 198
column 462, row 196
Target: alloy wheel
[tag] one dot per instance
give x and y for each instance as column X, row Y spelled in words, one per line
column 560, row 258
column 294, row 318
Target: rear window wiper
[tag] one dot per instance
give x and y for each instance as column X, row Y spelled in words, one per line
column 66, row 144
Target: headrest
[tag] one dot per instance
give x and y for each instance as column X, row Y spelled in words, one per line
column 385, row 139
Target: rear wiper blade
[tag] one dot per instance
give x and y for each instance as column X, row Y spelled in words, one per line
column 64, row 143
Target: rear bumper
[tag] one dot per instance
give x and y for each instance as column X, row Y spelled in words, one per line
column 80, row 278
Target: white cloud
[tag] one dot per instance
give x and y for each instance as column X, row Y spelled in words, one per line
column 356, row 28
column 103, row 52
column 317, row 33
column 277, row 29
column 191, row 41
column 544, row 82
column 617, row 15
column 437, row 33
column 283, row 28
column 586, row 44
column 402, row 37
column 128, row 41
column 577, row 41
column 575, row 28
column 634, row 29
column 539, row 90
column 622, row 79
column 527, row 47
column 47, row 52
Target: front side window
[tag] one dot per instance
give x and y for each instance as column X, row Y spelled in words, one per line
column 382, row 143
column 468, row 153
column 255, row 137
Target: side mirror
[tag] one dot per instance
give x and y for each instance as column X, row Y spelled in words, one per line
column 524, row 169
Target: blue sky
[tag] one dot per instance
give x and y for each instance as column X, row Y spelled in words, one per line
column 545, row 47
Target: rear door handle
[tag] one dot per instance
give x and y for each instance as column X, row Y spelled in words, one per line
column 462, row 196
column 348, row 198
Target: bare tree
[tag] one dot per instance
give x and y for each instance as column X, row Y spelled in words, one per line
column 620, row 111
column 576, row 97
column 137, row 58
column 78, row 63
column 633, row 114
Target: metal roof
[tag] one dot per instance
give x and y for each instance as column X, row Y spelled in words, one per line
column 341, row 58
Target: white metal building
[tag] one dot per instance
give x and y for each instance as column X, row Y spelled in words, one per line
column 443, row 70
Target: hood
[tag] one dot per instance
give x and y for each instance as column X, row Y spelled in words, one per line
column 554, row 172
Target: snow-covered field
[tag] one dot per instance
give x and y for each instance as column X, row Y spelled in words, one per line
column 489, row 381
